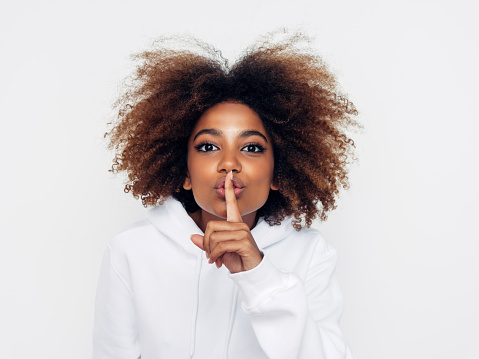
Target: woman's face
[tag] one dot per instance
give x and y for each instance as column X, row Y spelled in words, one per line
column 229, row 137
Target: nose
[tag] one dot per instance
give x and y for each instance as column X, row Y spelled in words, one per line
column 229, row 161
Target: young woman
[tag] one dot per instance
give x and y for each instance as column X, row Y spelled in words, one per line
column 236, row 162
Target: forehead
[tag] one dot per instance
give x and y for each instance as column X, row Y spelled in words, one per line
column 230, row 117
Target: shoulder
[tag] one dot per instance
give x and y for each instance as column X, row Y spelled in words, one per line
column 320, row 243
column 310, row 240
column 298, row 251
column 131, row 235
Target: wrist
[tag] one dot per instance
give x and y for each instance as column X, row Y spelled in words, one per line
column 259, row 283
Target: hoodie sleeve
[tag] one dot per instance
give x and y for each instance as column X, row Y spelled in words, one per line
column 294, row 317
column 115, row 333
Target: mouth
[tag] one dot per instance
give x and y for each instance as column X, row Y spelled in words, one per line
column 238, row 186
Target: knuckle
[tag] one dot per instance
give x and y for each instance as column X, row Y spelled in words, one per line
column 209, row 226
column 245, row 235
column 214, row 237
column 212, row 225
column 246, row 243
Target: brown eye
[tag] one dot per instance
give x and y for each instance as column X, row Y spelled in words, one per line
column 206, row 147
column 255, row 148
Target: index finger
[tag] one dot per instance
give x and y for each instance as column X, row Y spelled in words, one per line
column 232, row 211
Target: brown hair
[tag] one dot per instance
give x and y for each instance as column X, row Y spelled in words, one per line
column 290, row 88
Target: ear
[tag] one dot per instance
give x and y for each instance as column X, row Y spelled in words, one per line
column 187, row 183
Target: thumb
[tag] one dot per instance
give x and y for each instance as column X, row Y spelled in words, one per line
column 198, row 240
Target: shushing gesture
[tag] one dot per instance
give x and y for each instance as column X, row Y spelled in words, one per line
column 229, row 242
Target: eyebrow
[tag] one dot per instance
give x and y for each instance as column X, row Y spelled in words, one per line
column 215, row 132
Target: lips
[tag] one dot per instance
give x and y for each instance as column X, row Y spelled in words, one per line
column 237, row 184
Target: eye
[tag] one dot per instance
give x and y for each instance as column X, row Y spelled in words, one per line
column 206, row 147
column 253, row 147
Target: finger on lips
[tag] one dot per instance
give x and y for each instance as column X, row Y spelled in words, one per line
column 232, row 211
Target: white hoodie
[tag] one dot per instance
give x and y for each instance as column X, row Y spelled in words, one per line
column 158, row 297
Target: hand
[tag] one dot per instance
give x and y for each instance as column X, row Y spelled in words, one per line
column 230, row 242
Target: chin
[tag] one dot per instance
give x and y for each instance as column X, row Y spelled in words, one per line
column 216, row 211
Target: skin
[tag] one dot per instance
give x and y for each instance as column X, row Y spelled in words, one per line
column 229, row 145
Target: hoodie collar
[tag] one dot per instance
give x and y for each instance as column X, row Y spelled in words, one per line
column 173, row 221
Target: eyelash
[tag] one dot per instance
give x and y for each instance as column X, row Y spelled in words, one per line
column 259, row 147
column 203, row 144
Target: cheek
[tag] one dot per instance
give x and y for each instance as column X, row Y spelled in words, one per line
column 268, row 169
column 198, row 172
column 264, row 177
column 193, row 167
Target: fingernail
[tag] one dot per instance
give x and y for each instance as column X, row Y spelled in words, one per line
column 231, row 174
column 210, row 261
column 206, row 254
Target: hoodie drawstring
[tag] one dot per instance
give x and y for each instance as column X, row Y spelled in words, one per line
column 195, row 303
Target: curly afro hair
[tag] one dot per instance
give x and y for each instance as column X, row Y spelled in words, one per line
column 291, row 90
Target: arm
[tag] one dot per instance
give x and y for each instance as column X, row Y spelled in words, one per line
column 293, row 318
column 115, row 334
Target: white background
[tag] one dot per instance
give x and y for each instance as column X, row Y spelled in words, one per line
column 405, row 232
